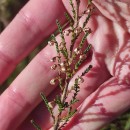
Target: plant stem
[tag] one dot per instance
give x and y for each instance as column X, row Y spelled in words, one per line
column 63, row 97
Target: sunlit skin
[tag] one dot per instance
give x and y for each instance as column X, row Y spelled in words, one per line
column 105, row 92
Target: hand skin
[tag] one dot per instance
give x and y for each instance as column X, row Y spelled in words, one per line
column 106, row 91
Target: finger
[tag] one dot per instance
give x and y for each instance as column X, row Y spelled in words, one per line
column 33, row 24
column 105, row 104
column 23, row 94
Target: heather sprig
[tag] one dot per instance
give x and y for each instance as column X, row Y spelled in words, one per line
column 67, row 63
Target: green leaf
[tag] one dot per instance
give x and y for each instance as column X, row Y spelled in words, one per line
column 35, row 125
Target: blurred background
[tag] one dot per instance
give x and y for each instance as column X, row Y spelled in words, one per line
column 8, row 10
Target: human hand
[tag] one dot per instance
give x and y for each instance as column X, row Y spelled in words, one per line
column 106, row 86
column 33, row 24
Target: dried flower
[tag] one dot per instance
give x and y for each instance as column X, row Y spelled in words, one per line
column 83, row 56
column 78, row 30
column 53, row 81
column 87, row 30
column 80, row 80
column 53, row 59
column 88, row 10
column 63, row 69
column 77, row 51
column 67, row 32
column 51, row 43
column 53, row 67
column 62, row 64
